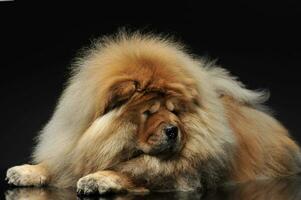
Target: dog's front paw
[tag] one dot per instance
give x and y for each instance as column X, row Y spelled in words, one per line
column 98, row 183
column 26, row 175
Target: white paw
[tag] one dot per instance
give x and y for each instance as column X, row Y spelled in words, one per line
column 25, row 175
column 97, row 183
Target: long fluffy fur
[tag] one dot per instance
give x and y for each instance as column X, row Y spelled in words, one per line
column 229, row 138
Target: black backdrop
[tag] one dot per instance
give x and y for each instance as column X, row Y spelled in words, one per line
column 259, row 42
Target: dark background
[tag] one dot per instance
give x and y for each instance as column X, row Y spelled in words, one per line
column 257, row 41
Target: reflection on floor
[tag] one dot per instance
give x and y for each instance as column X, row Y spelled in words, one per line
column 280, row 189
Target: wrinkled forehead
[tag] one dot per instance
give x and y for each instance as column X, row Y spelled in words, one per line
column 152, row 74
column 153, row 102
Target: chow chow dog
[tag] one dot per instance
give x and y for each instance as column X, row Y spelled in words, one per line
column 140, row 113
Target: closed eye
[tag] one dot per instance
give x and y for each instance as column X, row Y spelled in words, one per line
column 176, row 112
column 115, row 105
column 147, row 113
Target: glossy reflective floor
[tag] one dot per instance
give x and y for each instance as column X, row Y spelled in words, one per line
column 281, row 189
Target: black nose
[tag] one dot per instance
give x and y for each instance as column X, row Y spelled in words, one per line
column 171, row 132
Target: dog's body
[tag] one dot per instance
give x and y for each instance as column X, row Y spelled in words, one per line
column 140, row 113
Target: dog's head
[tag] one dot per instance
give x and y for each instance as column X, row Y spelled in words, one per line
column 156, row 109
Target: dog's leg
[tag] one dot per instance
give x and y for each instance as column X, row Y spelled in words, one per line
column 105, row 182
column 28, row 175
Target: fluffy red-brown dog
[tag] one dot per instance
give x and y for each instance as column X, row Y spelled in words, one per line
column 140, row 113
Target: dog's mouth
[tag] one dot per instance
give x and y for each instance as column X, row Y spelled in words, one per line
column 166, row 153
column 160, row 150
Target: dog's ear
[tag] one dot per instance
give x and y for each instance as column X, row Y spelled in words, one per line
column 118, row 94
